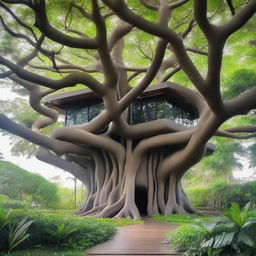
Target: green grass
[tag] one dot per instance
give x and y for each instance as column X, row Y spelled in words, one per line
column 66, row 214
column 181, row 218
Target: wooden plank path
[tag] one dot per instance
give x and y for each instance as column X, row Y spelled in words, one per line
column 139, row 239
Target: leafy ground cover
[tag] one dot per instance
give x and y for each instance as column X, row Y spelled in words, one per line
column 52, row 232
column 69, row 215
column 46, row 253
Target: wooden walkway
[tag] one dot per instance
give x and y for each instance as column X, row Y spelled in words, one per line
column 140, row 239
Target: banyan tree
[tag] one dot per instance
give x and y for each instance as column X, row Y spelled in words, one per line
column 132, row 128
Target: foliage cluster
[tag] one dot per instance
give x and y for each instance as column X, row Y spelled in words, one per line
column 232, row 234
column 8, row 203
column 39, row 252
column 220, row 194
column 63, row 230
column 19, row 184
column 13, row 231
column 50, row 230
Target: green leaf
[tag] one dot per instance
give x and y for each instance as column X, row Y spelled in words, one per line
column 223, row 240
column 246, row 239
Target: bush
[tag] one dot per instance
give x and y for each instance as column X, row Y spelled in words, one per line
column 186, row 237
column 17, row 204
column 54, row 230
column 13, row 231
column 232, row 234
column 220, row 195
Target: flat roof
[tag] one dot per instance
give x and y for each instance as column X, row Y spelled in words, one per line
column 172, row 90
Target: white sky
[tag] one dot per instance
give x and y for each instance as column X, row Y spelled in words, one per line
column 49, row 171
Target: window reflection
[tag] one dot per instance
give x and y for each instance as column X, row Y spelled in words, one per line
column 142, row 110
column 149, row 109
column 78, row 114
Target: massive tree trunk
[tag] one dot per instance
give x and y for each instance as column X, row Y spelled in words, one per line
column 129, row 169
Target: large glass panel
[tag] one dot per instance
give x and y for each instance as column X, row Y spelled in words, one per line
column 156, row 108
column 79, row 114
column 95, row 110
column 76, row 115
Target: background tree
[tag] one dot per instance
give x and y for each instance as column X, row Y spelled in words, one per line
column 19, row 184
column 77, row 44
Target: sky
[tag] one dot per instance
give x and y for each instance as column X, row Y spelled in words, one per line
column 49, row 171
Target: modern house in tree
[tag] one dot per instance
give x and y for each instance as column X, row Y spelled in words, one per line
column 158, row 102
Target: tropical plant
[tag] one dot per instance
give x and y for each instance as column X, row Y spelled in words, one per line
column 4, row 217
column 60, row 232
column 13, row 231
column 18, row 232
column 235, row 235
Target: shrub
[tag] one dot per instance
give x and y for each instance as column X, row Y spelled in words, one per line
column 3, row 199
column 13, row 231
column 220, row 195
column 17, row 204
column 50, row 229
column 186, row 237
column 233, row 234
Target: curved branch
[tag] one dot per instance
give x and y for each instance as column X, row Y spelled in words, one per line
column 44, row 26
column 148, row 5
column 109, row 70
column 68, row 81
column 233, row 136
column 242, row 104
column 121, row 9
column 119, row 32
column 177, row 4
column 59, row 147
column 18, row 20
column 239, row 19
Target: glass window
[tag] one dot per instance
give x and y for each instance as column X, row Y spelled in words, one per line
column 149, row 109
column 95, row 110
column 79, row 114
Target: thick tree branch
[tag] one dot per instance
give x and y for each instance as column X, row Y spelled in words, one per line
column 68, row 81
column 109, row 70
column 120, row 8
column 239, row 19
column 57, row 146
column 242, row 104
column 44, row 26
column 119, row 32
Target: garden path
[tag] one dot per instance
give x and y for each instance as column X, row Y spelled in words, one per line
column 139, row 239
